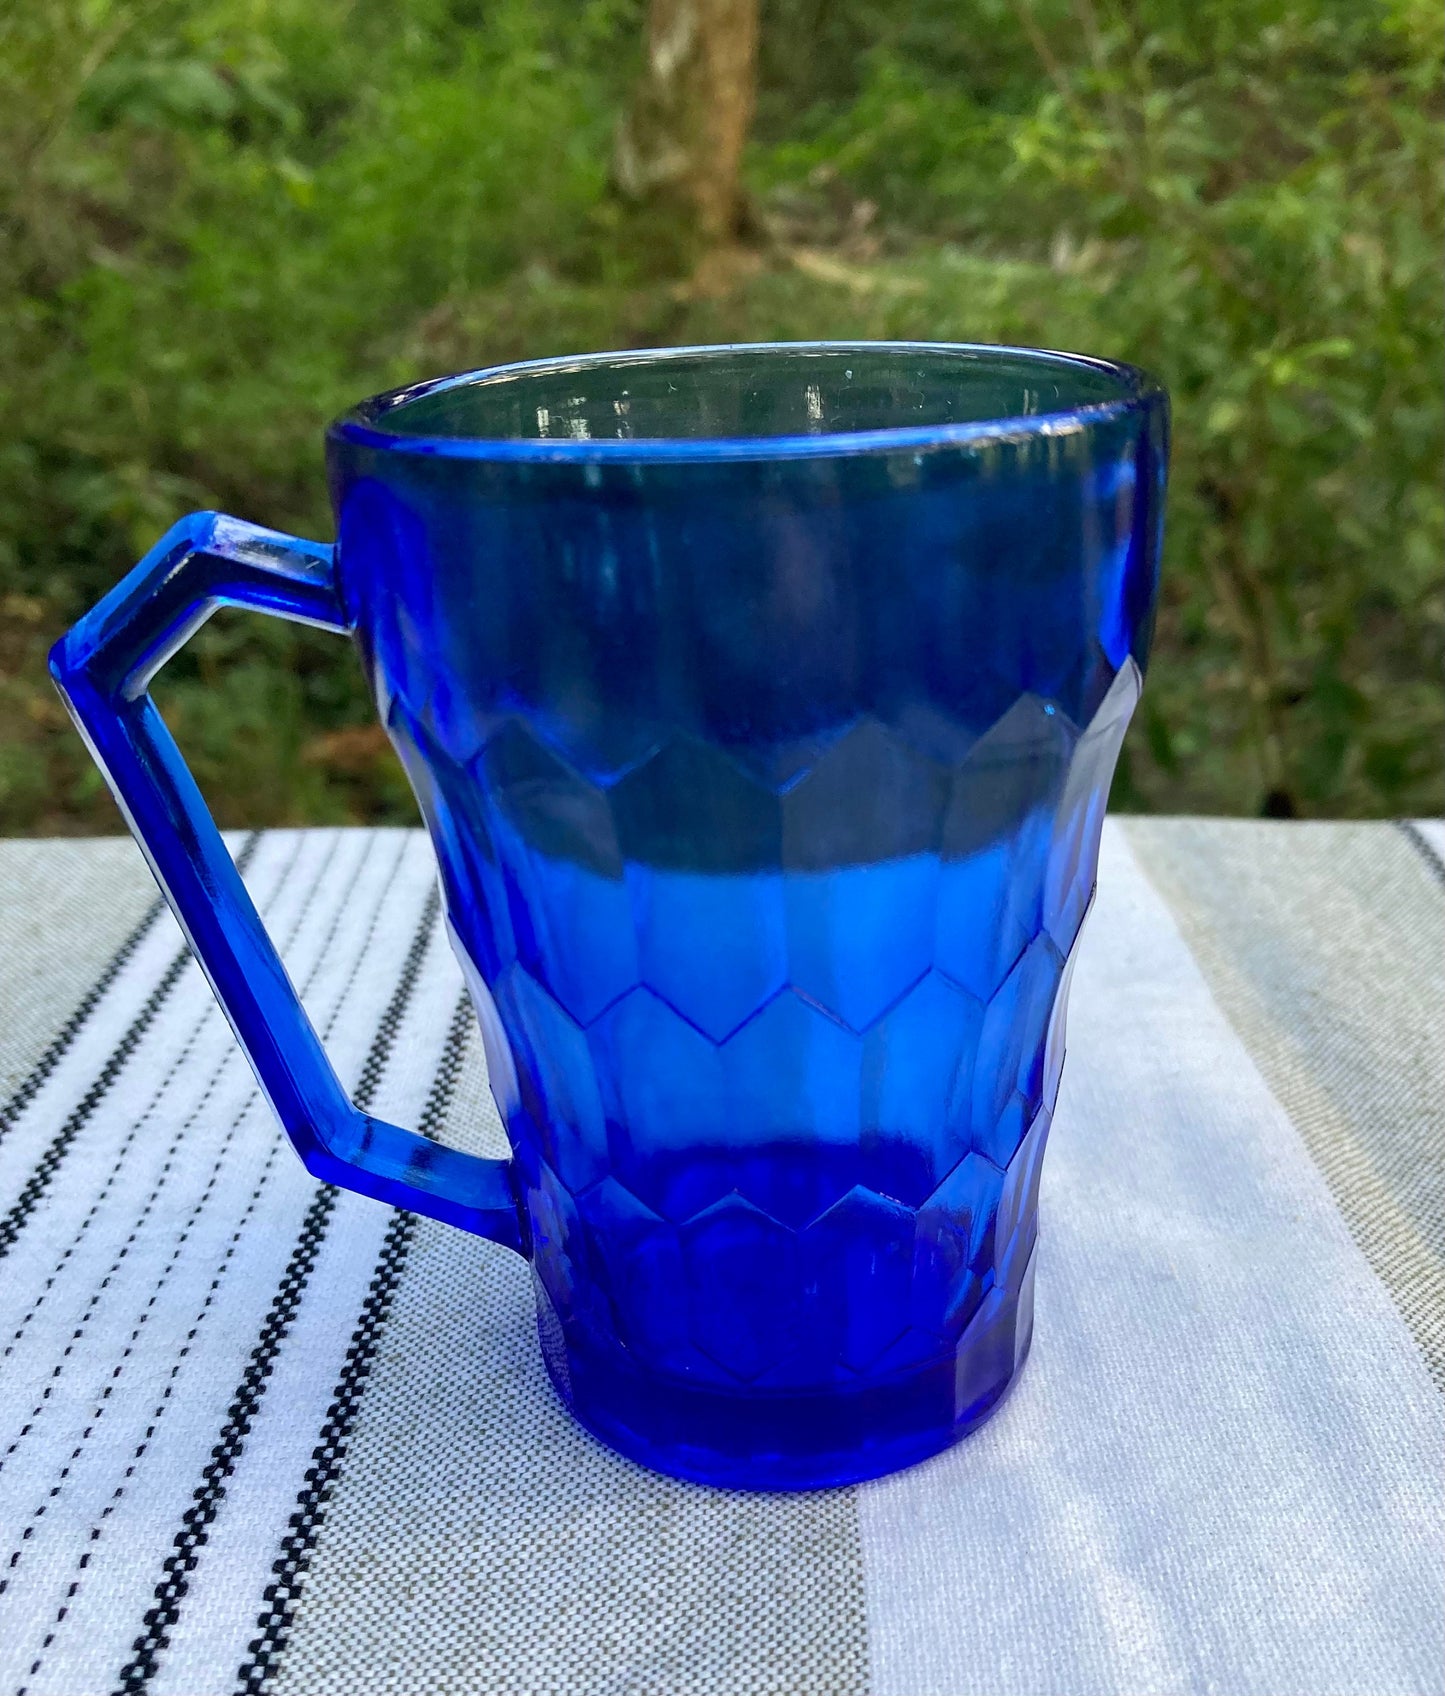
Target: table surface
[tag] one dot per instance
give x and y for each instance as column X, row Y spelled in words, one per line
column 258, row 1434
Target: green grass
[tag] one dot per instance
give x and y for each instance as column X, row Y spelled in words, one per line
column 222, row 222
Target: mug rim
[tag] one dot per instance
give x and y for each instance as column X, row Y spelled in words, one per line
column 363, row 425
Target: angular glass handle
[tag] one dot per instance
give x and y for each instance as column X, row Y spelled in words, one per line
column 102, row 668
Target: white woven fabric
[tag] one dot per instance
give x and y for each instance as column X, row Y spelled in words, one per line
column 1224, row 1468
column 258, row 1435
column 51, row 944
column 1433, row 830
column 141, row 1278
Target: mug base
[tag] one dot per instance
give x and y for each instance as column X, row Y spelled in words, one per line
column 787, row 1440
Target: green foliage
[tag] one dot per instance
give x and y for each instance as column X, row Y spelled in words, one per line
column 1246, row 200
column 223, row 220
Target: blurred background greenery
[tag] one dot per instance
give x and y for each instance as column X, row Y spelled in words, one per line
column 221, row 221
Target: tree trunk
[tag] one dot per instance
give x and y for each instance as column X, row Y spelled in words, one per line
column 680, row 146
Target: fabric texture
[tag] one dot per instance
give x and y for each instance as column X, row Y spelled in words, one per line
column 259, row 1434
column 1222, row 1470
column 1322, row 943
column 67, row 906
column 1429, row 837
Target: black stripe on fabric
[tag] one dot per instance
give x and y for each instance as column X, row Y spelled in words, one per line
column 60, row 1046
column 30, row 1087
column 78, row 1332
column 1424, row 848
column 126, row 1142
column 277, row 1144
column 158, row 1412
column 194, row 1532
column 76, row 1120
column 282, row 1597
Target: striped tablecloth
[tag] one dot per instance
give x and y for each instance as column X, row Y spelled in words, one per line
column 260, row 1435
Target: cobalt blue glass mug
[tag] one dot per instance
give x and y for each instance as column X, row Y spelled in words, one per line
column 762, row 704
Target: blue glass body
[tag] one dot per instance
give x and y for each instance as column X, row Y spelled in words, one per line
column 762, row 705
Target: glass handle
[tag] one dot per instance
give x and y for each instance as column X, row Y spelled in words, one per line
column 102, row 668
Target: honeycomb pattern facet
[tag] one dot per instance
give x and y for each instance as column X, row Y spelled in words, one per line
column 785, row 1065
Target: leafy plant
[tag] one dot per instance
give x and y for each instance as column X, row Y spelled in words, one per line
column 223, row 220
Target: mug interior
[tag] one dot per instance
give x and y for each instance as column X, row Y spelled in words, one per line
column 784, row 390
